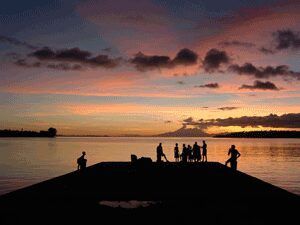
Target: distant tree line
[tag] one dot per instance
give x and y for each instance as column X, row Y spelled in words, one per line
column 262, row 134
column 51, row 132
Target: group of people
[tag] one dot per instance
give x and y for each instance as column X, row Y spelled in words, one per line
column 188, row 154
column 194, row 154
column 191, row 154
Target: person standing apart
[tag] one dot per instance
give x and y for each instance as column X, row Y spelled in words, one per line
column 81, row 162
column 159, row 153
column 234, row 155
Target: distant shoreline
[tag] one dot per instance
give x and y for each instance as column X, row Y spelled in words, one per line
column 50, row 133
column 247, row 134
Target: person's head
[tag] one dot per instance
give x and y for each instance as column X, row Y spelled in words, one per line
column 83, row 153
column 203, row 142
column 159, row 144
column 183, row 145
column 195, row 142
column 176, row 144
column 233, row 146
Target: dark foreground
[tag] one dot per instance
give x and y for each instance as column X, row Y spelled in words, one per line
column 207, row 193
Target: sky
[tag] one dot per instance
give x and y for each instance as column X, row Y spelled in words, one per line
column 108, row 67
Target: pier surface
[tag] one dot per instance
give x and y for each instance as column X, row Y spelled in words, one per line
column 164, row 193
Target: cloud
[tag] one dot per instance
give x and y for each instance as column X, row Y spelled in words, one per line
column 264, row 72
column 213, row 60
column 66, row 59
column 228, row 108
column 185, row 57
column 188, row 120
column 267, row 50
column 282, row 40
column 57, row 66
column 291, row 120
column 75, row 55
column 210, row 85
column 287, row 39
column 144, row 62
column 237, row 44
column 16, row 42
column 259, row 85
column 181, row 82
column 24, row 63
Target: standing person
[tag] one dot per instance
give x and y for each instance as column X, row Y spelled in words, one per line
column 160, row 153
column 196, row 152
column 81, row 162
column 234, row 155
column 204, row 151
column 184, row 154
column 176, row 153
column 190, row 153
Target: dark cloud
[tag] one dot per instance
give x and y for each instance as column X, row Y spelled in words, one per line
column 144, row 62
column 188, row 120
column 75, row 55
column 260, row 85
column 264, row 72
column 181, row 82
column 283, row 39
column 210, row 85
column 24, row 63
column 214, row 59
column 185, row 57
column 291, row 120
column 228, row 108
column 16, row 42
column 63, row 66
column 236, row 43
column 286, row 39
column 267, row 51
column 57, row 66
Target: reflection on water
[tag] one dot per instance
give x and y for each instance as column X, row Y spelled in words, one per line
column 25, row 161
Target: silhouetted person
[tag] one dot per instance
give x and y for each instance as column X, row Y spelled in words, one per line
column 184, row 153
column 190, row 153
column 81, row 161
column 234, row 155
column 204, row 152
column 196, row 152
column 160, row 153
column 176, row 153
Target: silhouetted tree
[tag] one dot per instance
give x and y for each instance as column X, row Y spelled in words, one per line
column 52, row 132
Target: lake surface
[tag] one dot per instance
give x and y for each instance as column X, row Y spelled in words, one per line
column 25, row 161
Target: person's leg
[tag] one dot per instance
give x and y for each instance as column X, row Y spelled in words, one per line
column 226, row 163
column 233, row 165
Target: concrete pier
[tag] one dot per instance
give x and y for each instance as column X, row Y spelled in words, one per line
column 199, row 193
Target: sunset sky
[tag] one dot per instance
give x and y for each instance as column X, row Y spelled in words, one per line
column 124, row 67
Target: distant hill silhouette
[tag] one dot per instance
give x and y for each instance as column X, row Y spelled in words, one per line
column 51, row 132
column 262, row 134
column 185, row 132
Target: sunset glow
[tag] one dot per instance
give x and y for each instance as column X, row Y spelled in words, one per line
column 107, row 67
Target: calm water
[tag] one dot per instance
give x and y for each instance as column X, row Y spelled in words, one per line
column 24, row 161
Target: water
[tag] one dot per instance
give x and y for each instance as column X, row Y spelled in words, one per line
column 24, row 161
